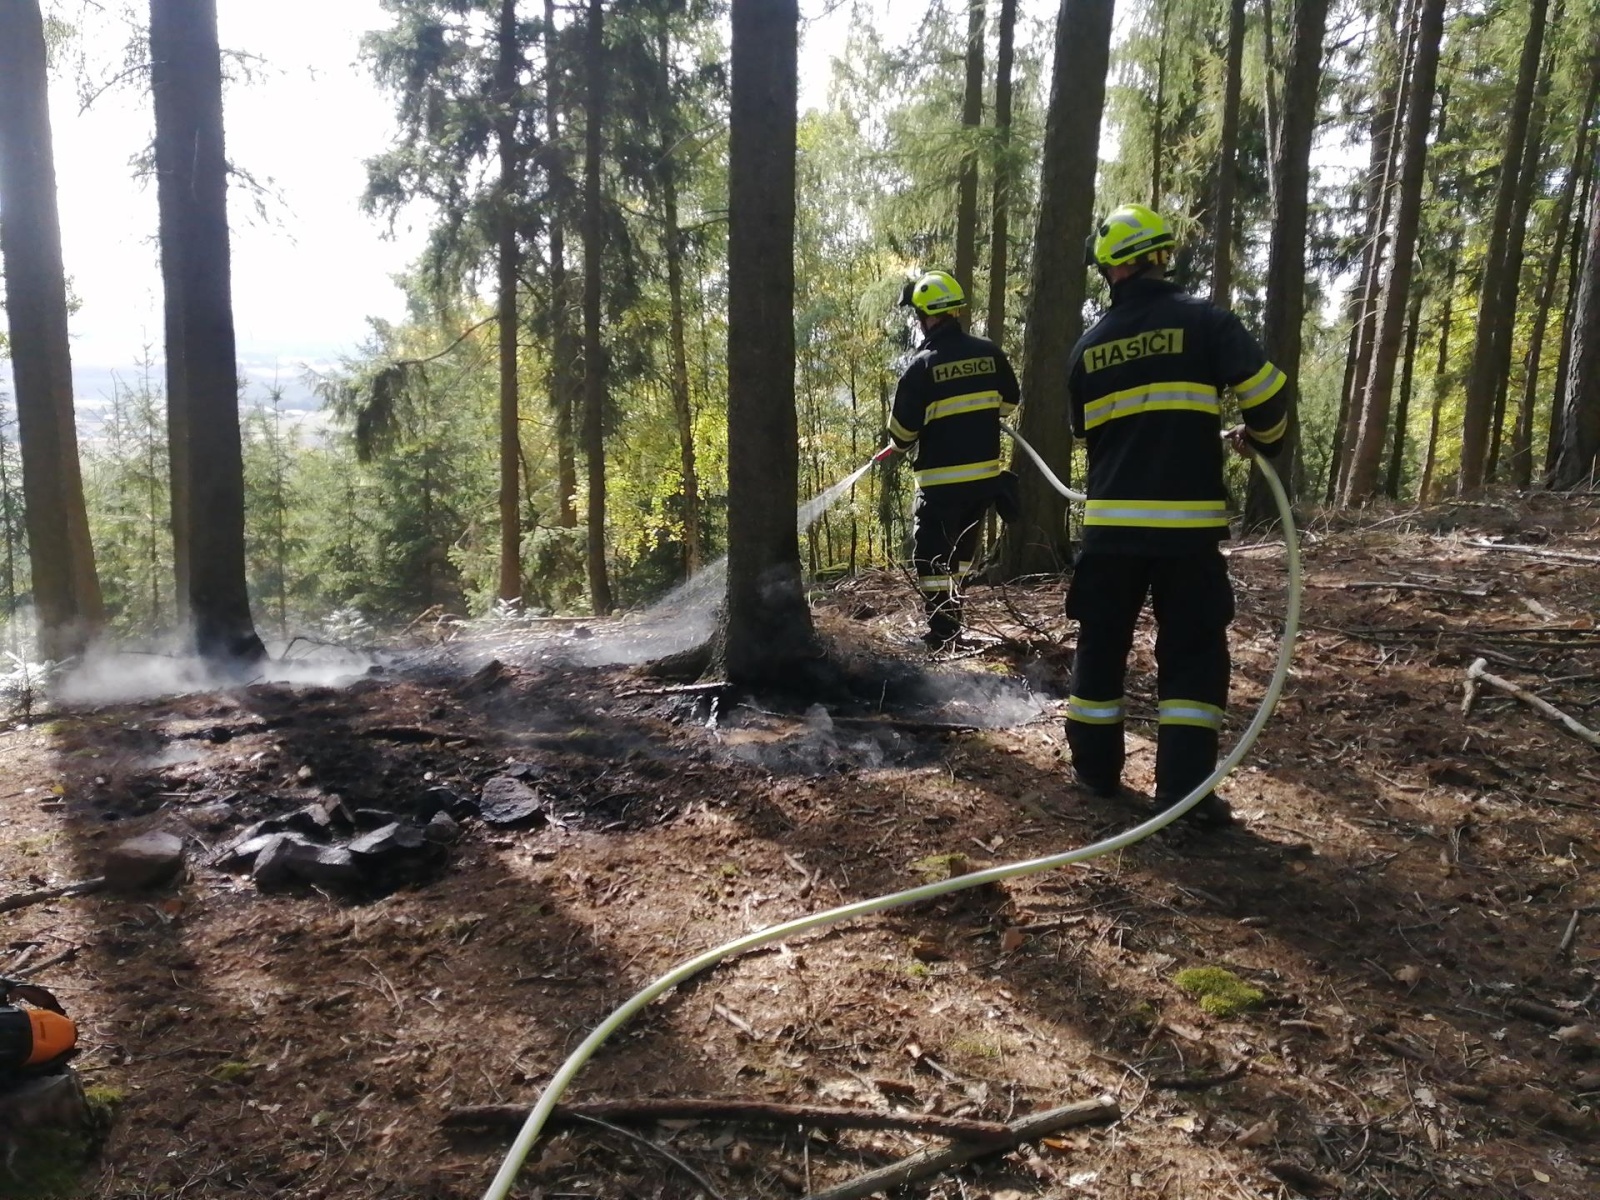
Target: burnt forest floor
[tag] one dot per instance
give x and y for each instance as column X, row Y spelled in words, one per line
column 1398, row 889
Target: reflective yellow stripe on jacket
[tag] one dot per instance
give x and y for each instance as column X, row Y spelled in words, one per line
column 1154, row 397
column 964, row 473
column 1158, row 514
column 1260, row 387
column 972, row 402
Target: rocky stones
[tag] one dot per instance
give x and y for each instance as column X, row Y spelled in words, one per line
column 507, row 801
column 143, row 862
column 442, row 829
column 392, row 839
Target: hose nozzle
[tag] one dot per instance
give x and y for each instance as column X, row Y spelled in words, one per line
column 886, row 453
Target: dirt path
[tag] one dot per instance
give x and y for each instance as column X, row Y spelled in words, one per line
column 1398, row 890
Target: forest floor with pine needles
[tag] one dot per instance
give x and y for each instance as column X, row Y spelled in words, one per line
column 1410, row 901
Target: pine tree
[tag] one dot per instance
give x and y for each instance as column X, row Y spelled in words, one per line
column 66, row 593
column 191, row 171
column 767, row 633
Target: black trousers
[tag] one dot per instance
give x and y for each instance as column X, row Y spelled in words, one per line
column 947, row 522
column 1193, row 601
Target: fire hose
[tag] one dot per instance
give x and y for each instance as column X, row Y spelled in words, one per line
column 528, row 1137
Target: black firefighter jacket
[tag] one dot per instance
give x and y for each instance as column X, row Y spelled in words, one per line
column 1146, row 388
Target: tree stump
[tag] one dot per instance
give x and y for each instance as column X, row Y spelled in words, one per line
column 49, row 1131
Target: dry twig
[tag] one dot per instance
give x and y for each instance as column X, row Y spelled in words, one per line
column 1478, row 671
column 933, row 1162
column 28, row 899
column 510, row 1117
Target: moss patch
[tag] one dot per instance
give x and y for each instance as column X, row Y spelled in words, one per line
column 938, row 867
column 1218, row 991
column 235, row 1072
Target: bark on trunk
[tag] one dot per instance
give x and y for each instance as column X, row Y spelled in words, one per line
column 1366, row 462
column 1580, row 426
column 594, row 355
column 1497, row 294
column 1579, row 240
column 563, row 377
column 1286, row 261
column 999, row 220
column 1402, row 416
column 1228, row 167
column 1441, row 372
column 766, row 633
column 971, row 119
column 1383, row 167
column 1038, row 543
column 65, row 590
column 1522, row 438
column 682, row 402
column 1527, row 184
column 510, row 590
column 192, row 181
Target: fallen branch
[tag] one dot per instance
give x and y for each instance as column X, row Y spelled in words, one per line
column 1197, row 1083
column 1534, row 551
column 933, row 1162
column 1478, row 670
column 28, row 899
column 679, row 689
column 509, row 1118
column 905, row 725
column 1378, row 584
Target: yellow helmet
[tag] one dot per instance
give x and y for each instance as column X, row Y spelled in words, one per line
column 1128, row 233
column 934, row 294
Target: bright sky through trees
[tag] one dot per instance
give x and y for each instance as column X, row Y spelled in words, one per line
column 308, row 273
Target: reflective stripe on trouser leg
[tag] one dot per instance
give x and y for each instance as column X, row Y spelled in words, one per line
column 1106, row 595
column 948, row 520
column 1194, row 604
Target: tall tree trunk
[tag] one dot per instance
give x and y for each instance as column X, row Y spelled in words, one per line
column 1497, row 294
column 1569, row 311
column 1269, row 93
column 1158, row 130
column 563, row 377
column 1038, row 543
column 682, row 406
column 65, row 590
column 999, row 221
column 1368, row 457
column 1522, row 437
column 192, row 181
column 1227, row 165
column 506, row 100
column 1402, row 415
column 1286, row 257
column 1528, row 175
column 767, row 632
column 594, row 353
column 971, row 120
column 1441, row 372
column 1384, row 165
column 1580, row 425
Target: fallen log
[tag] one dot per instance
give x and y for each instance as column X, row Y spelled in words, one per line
column 933, row 1162
column 1534, row 551
column 1478, row 671
column 509, row 1118
column 28, row 899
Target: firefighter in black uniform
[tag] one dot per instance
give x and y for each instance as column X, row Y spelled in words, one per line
column 948, row 405
column 1146, row 389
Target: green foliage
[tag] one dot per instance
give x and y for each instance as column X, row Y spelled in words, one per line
column 128, row 491
column 1219, row 991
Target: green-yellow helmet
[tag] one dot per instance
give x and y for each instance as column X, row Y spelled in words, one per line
column 934, row 294
column 1129, row 233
